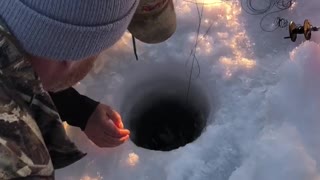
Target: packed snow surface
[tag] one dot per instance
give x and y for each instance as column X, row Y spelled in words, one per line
column 266, row 119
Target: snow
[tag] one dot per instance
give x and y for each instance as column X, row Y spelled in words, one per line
column 267, row 92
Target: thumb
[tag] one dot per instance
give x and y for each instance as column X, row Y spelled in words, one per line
column 115, row 117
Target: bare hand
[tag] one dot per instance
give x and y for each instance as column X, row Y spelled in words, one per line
column 105, row 127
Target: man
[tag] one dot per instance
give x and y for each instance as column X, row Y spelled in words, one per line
column 49, row 45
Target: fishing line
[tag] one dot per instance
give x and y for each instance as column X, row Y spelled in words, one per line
column 271, row 7
column 194, row 51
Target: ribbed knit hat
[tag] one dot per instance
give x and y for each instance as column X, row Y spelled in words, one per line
column 67, row 29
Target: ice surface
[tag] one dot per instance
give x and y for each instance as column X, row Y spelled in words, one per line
column 266, row 124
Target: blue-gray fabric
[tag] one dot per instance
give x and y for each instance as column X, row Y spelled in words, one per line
column 67, row 29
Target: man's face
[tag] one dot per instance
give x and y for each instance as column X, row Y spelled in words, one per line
column 59, row 75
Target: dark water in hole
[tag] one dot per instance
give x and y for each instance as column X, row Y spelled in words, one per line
column 166, row 124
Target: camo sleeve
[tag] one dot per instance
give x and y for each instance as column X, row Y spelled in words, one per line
column 23, row 153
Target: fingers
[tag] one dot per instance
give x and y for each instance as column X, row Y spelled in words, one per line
column 114, row 141
column 108, row 141
column 114, row 136
column 113, row 131
column 105, row 128
column 115, row 117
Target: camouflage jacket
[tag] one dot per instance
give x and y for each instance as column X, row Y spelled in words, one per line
column 33, row 141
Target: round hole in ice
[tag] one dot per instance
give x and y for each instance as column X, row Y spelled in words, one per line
column 158, row 113
column 166, row 123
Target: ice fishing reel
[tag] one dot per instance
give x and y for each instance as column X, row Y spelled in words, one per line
column 306, row 29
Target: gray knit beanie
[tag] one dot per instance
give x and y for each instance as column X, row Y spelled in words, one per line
column 67, row 29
